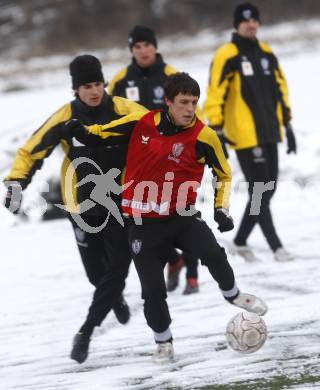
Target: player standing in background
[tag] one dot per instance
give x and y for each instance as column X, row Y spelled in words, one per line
column 247, row 104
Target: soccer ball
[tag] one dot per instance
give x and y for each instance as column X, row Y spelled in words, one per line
column 246, row 332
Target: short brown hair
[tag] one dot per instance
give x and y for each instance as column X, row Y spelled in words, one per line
column 180, row 83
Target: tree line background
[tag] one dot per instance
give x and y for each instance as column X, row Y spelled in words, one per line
column 39, row 27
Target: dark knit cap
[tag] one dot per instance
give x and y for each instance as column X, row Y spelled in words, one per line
column 141, row 34
column 245, row 11
column 85, row 69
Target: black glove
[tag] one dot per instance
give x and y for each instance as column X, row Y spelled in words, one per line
column 223, row 139
column 291, row 139
column 223, row 219
column 13, row 197
column 72, row 128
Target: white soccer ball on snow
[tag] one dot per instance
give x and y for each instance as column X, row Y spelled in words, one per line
column 246, row 332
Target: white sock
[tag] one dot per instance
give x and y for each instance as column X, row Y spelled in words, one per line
column 230, row 294
column 163, row 336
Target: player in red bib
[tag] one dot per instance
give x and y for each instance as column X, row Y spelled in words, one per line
column 167, row 153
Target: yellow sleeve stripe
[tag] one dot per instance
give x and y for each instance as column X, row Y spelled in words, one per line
column 124, row 106
column 209, row 137
column 157, row 118
column 69, row 187
column 168, row 70
column 218, row 84
column 97, row 130
column 103, row 130
column 25, row 158
column 62, row 115
column 283, row 86
column 23, row 164
column 119, row 76
column 223, row 55
column 265, row 47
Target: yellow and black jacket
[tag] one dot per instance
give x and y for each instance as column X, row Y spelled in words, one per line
column 247, row 93
column 208, row 150
column 30, row 157
column 145, row 86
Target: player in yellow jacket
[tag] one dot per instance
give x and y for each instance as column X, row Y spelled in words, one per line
column 247, row 104
column 102, row 242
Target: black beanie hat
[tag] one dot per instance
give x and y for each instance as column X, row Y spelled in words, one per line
column 141, row 34
column 245, row 11
column 85, row 69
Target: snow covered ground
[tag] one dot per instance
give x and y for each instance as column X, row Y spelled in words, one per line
column 44, row 293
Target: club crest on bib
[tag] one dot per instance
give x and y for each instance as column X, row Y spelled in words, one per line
column 136, row 246
column 177, row 149
column 176, row 152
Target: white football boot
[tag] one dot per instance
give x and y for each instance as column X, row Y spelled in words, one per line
column 244, row 251
column 250, row 303
column 164, row 353
column 282, row 255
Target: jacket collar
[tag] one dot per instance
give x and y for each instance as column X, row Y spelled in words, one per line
column 151, row 69
column 106, row 101
column 244, row 43
column 168, row 127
